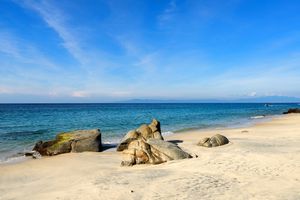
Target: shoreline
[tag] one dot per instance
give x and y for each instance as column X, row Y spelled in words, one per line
column 247, row 122
column 262, row 160
column 111, row 147
column 244, row 122
column 245, row 125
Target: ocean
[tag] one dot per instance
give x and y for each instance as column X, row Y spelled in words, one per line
column 22, row 125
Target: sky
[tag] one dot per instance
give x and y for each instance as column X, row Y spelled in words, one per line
column 106, row 51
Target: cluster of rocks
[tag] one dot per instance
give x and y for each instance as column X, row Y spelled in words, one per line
column 145, row 131
column 145, row 145
column 292, row 110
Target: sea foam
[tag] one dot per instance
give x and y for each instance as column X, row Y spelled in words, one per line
column 258, row 117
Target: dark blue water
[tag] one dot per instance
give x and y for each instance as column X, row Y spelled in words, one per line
column 21, row 125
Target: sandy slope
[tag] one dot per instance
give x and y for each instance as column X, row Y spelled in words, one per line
column 262, row 163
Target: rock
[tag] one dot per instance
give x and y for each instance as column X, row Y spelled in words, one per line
column 292, row 110
column 152, row 151
column 155, row 126
column 29, row 153
column 136, row 153
column 214, row 141
column 205, row 142
column 36, row 155
column 33, row 154
column 169, row 150
column 144, row 131
column 145, row 145
column 130, row 136
column 75, row 141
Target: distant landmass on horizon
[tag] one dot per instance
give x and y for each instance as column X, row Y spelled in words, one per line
column 265, row 99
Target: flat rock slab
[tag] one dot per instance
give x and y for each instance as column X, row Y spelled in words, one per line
column 75, row 141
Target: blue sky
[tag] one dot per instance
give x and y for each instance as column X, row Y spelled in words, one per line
column 100, row 51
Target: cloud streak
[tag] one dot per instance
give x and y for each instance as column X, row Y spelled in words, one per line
column 57, row 20
column 168, row 13
column 22, row 51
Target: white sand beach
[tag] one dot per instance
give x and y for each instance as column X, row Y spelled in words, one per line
column 261, row 162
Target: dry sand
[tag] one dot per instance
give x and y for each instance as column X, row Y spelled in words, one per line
column 261, row 162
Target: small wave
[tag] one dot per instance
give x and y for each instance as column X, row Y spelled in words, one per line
column 167, row 133
column 108, row 142
column 258, row 117
column 268, row 105
column 13, row 159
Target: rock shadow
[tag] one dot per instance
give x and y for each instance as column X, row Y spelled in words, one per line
column 106, row 147
column 175, row 141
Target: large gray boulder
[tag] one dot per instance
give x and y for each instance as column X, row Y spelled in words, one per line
column 75, row 141
column 143, row 132
column 152, row 151
column 169, row 150
column 214, row 141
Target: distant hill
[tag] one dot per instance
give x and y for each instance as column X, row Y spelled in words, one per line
column 265, row 99
column 271, row 99
column 171, row 101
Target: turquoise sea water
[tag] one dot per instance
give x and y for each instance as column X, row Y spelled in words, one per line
column 21, row 125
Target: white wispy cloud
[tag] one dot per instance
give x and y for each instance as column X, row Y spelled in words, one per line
column 148, row 62
column 252, row 94
column 279, row 76
column 128, row 45
column 22, row 51
column 4, row 90
column 80, row 94
column 145, row 60
column 8, row 45
column 168, row 13
column 57, row 20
